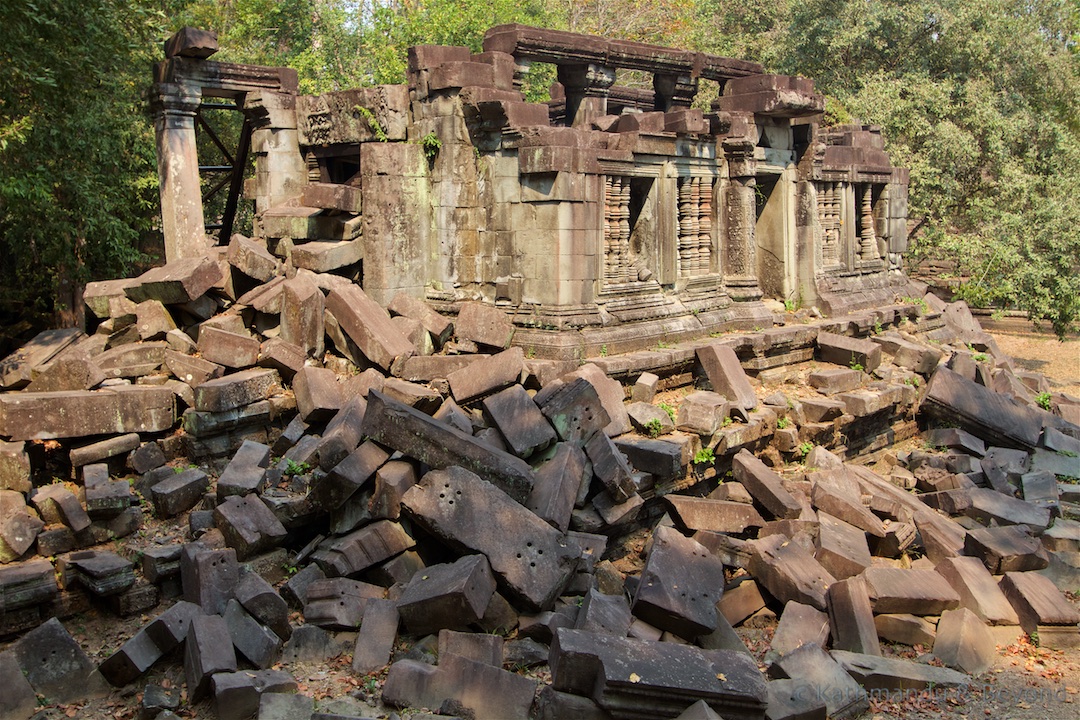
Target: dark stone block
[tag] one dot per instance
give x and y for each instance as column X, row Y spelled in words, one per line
column 452, row 595
column 205, row 654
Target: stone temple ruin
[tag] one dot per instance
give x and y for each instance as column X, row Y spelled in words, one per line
column 607, row 216
column 499, row 414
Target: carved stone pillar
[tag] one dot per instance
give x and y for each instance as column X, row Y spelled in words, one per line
column 673, row 91
column 740, row 270
column 280, row 171
column 868, row 248
column 174, row 108
column 586, row 91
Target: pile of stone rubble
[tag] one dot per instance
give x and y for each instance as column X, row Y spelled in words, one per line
column 423, row 479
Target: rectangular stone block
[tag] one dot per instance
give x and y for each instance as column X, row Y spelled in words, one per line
column 520, row 421
column 574, row 409
column 851, row 620
column 918, row 592
column 248, row 525
column 180, row 492
column 848, row 351
column 726, row 375
column 368, row 325
column 118, row 409
column 694, row 514
column 259, row 644
column 680, row 585
column 610, row 466
column 179, row 281
column 339, row 603
column 487, row 375
column 375, row 641
column 205, row 654
column 788, row 571
column 208, row 576
column 558, row 483
column 449, row 595
column 457, row 506
column 440, row 327
column 226, row 348
column 319, row 396
column 363, row 548
column 1037, row 601
column 765, row 486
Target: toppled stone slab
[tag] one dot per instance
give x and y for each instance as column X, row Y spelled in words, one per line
column 235, row 390
column 820, row 677
column 987, row 505
column 848, row 351
column 918, row 592
column 339, row 603
column 851, row 620
column 875, row 672
column 788, row 571
column 519, row 420
column 726, row 374
column 574, row 409
column 978, row 590
column 368, row 325
column 487, row 374
column 1008, row 548
column 714, row 515
column 248, row 525
column 440, row 446
column 205, row 653
column 179, row 281
column 55, row 666
column 984, row 413
column 533, row 559
column 375, row 641
column 764, row 485
column 799, row 624
column 363, row 548
column 642, row 679
column 610, row 466
column 558, row 483
column 1037, row 601
column 905, row 628
column 963, row 643
column 70, row 414
column 484, row 325
column 19, row 368
column 458, row 682
column 451, row 595
column 179, row 493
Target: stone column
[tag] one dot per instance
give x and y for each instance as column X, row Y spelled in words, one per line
column 174, row 108
column 280, row 170
column 740, row 270
column 586, row 91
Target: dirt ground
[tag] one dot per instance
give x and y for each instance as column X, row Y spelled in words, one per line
column 1039, row 351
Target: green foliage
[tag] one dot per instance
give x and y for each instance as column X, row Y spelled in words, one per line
column 1043, row 400
column 704, row 456
column 804, row 448
column 431, row 145
column 668, row 409
column 295, row 468
column 654, row 427
column 855, row 364
column 78, row 179
column 373, row 123
column 782, row 422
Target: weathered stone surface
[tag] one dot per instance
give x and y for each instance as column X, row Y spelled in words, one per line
column 131, row 660
column 281, row 706
column 740, row 601
column 14, row 467
column 282, row 356
column 302, row 305
column 118, row 409
column 637, row 678
column 680, row 585
column 650, row 420
column 339, row 603
column 610, row 466
column 26, row 584
column 179, row 281
column 726, row 375
column 169, row 629
column 450, row 595
column 246, row 472
column 660, row 458
column 484, row 325
column 68, row 373
column 819, row 677
column 248, row 525
column 841, row 548
column 209, row 576
column 558, row 482
column 19, row 526
column 439, row 326
column 764, row 485
column 1037, row 601
column 180, row 492
column 259, row 644
column 252, row 258
column 984, row 413
column 837, row 493
column 963, row 642
column 574, row 409
column 487, row 375
column 23, row 365
column 368, row 325
column 875, row 672
column 319, row 396
column 359, row 550
column 987, row 505
column 788, row 700
column 799, row 624
column 55, row 503
column 905, row 628
column 456, row 505
column 18, row 701
column 348, row 476
column 644, row 390
column 440, row 446
column 519, row 420
column 102, row 573
column 457, row 681
column 103, row 450
column 848, row 351
column 788, row 571
column 611, row 394
column 1009, row 548
column 918, row 592
column 56, row 666
column 715, row 515
column 231, row 349
column 600, row 613
column 978, row 590
column 702, row 412
column 375, row 641
column 831, row 381
column 850, row 618
column 205, row 654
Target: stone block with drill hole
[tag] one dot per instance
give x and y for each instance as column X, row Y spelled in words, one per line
column 440, row 446
column 205, row 653
column 457, row 506
column 170, row 629
column 375, row 641
column 557, row 485
column 978, row 590
column 702, row 412
column 352, row 473
column 1038, row 602
column 484, row 325
column 339, row 603
column 629, row 677
column 693, row 514
column 361, row 549
column 841, row 548
column 848, row 351
column 487, row 375
column 610, row 466
column 449, row 595
column 56, row 666
column 764, row 485
column 788, row 571
column 233, row 350
column 850, row 618
column 680, row 585
column 440, row 327
column 208, row 576
column 614, row 513
column 179, row 493
column 612, row 397
column 601, row 613
column 819, row 677
column 248, row 525
column 256, row 642
column 574, row 409
column 726, row 375
column 918, row 592
column 799, row 624
column 1008, row 548
column 520, row 421
column 246, row 471
column 963, row 642
column 368, row 325
column 319, row 396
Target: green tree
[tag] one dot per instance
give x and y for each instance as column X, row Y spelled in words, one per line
column 78, row 182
